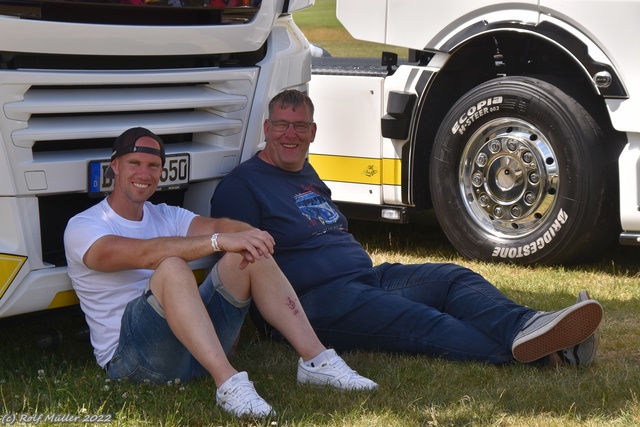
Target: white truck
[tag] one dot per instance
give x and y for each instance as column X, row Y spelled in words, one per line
column 518, row 122
column 75, row 74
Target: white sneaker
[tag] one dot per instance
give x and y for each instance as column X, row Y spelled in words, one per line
column 334, row 372
column 238, row 396
column 549, row 332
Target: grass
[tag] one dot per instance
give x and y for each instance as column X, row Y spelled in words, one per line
column 415, row 390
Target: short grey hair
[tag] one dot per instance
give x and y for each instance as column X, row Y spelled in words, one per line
column 291, row 98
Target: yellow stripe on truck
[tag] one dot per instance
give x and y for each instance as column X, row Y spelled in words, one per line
column 64, row 299
column 359, row 170
column 10, row 265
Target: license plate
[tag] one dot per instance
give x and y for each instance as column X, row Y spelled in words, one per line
column 175, row 174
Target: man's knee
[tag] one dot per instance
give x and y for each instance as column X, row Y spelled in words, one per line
column 229, row 266
column 171, row 271
column 173, row 266
column 235, row 280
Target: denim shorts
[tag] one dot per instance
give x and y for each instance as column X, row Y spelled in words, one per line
column 149, row 351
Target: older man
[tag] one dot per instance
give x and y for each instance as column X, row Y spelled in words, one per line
column 441, row 310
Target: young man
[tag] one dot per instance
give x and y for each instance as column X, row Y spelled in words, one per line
column 149, row 320
column 441, row 310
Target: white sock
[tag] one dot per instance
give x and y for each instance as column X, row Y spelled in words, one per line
column 318, row 360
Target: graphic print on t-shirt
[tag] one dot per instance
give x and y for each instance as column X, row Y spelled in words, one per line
column 316, row 208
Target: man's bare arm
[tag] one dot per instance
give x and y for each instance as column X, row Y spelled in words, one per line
column 204, row 226
column 115, row 253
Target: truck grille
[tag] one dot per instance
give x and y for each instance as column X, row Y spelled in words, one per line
column 53, row 127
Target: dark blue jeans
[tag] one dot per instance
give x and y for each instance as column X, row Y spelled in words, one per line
column 441, row 310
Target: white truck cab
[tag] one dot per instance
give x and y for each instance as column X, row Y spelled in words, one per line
column 517, row 122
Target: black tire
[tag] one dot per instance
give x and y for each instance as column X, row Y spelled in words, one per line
column 518, row 173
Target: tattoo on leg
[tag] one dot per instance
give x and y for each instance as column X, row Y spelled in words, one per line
column 292, row 305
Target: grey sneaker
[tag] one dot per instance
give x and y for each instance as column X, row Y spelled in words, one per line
column 333, row 372
column 238, row 396
column 585, row 352
column 549, row 332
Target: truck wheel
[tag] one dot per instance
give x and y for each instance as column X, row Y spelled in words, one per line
column 518, row 174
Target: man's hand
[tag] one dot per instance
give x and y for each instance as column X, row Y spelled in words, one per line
column 252, row 245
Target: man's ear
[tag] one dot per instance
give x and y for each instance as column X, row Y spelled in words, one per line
column 314, row 128
column 265, row 127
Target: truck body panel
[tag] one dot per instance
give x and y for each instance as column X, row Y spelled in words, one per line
column 529, row 203
column 68, row 89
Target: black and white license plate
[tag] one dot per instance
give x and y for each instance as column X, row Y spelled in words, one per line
column 175, row 174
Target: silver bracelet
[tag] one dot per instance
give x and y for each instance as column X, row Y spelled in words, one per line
column 214, row 242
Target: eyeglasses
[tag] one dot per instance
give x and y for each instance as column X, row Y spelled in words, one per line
column 283, row 126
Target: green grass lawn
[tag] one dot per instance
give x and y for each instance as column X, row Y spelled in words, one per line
column 414, row 390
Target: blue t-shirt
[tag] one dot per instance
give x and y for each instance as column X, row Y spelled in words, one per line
column 313, row 245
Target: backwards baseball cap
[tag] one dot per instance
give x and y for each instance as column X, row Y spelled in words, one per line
column 126, row 143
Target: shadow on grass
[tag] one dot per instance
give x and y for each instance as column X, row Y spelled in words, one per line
column 423, row 235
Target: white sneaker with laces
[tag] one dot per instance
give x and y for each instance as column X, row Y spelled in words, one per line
column 334, row 372
column 238, row 396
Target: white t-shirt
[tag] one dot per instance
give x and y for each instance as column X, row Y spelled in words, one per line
column 104, row 296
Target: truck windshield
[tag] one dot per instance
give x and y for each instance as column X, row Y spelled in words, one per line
column 135, row 12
